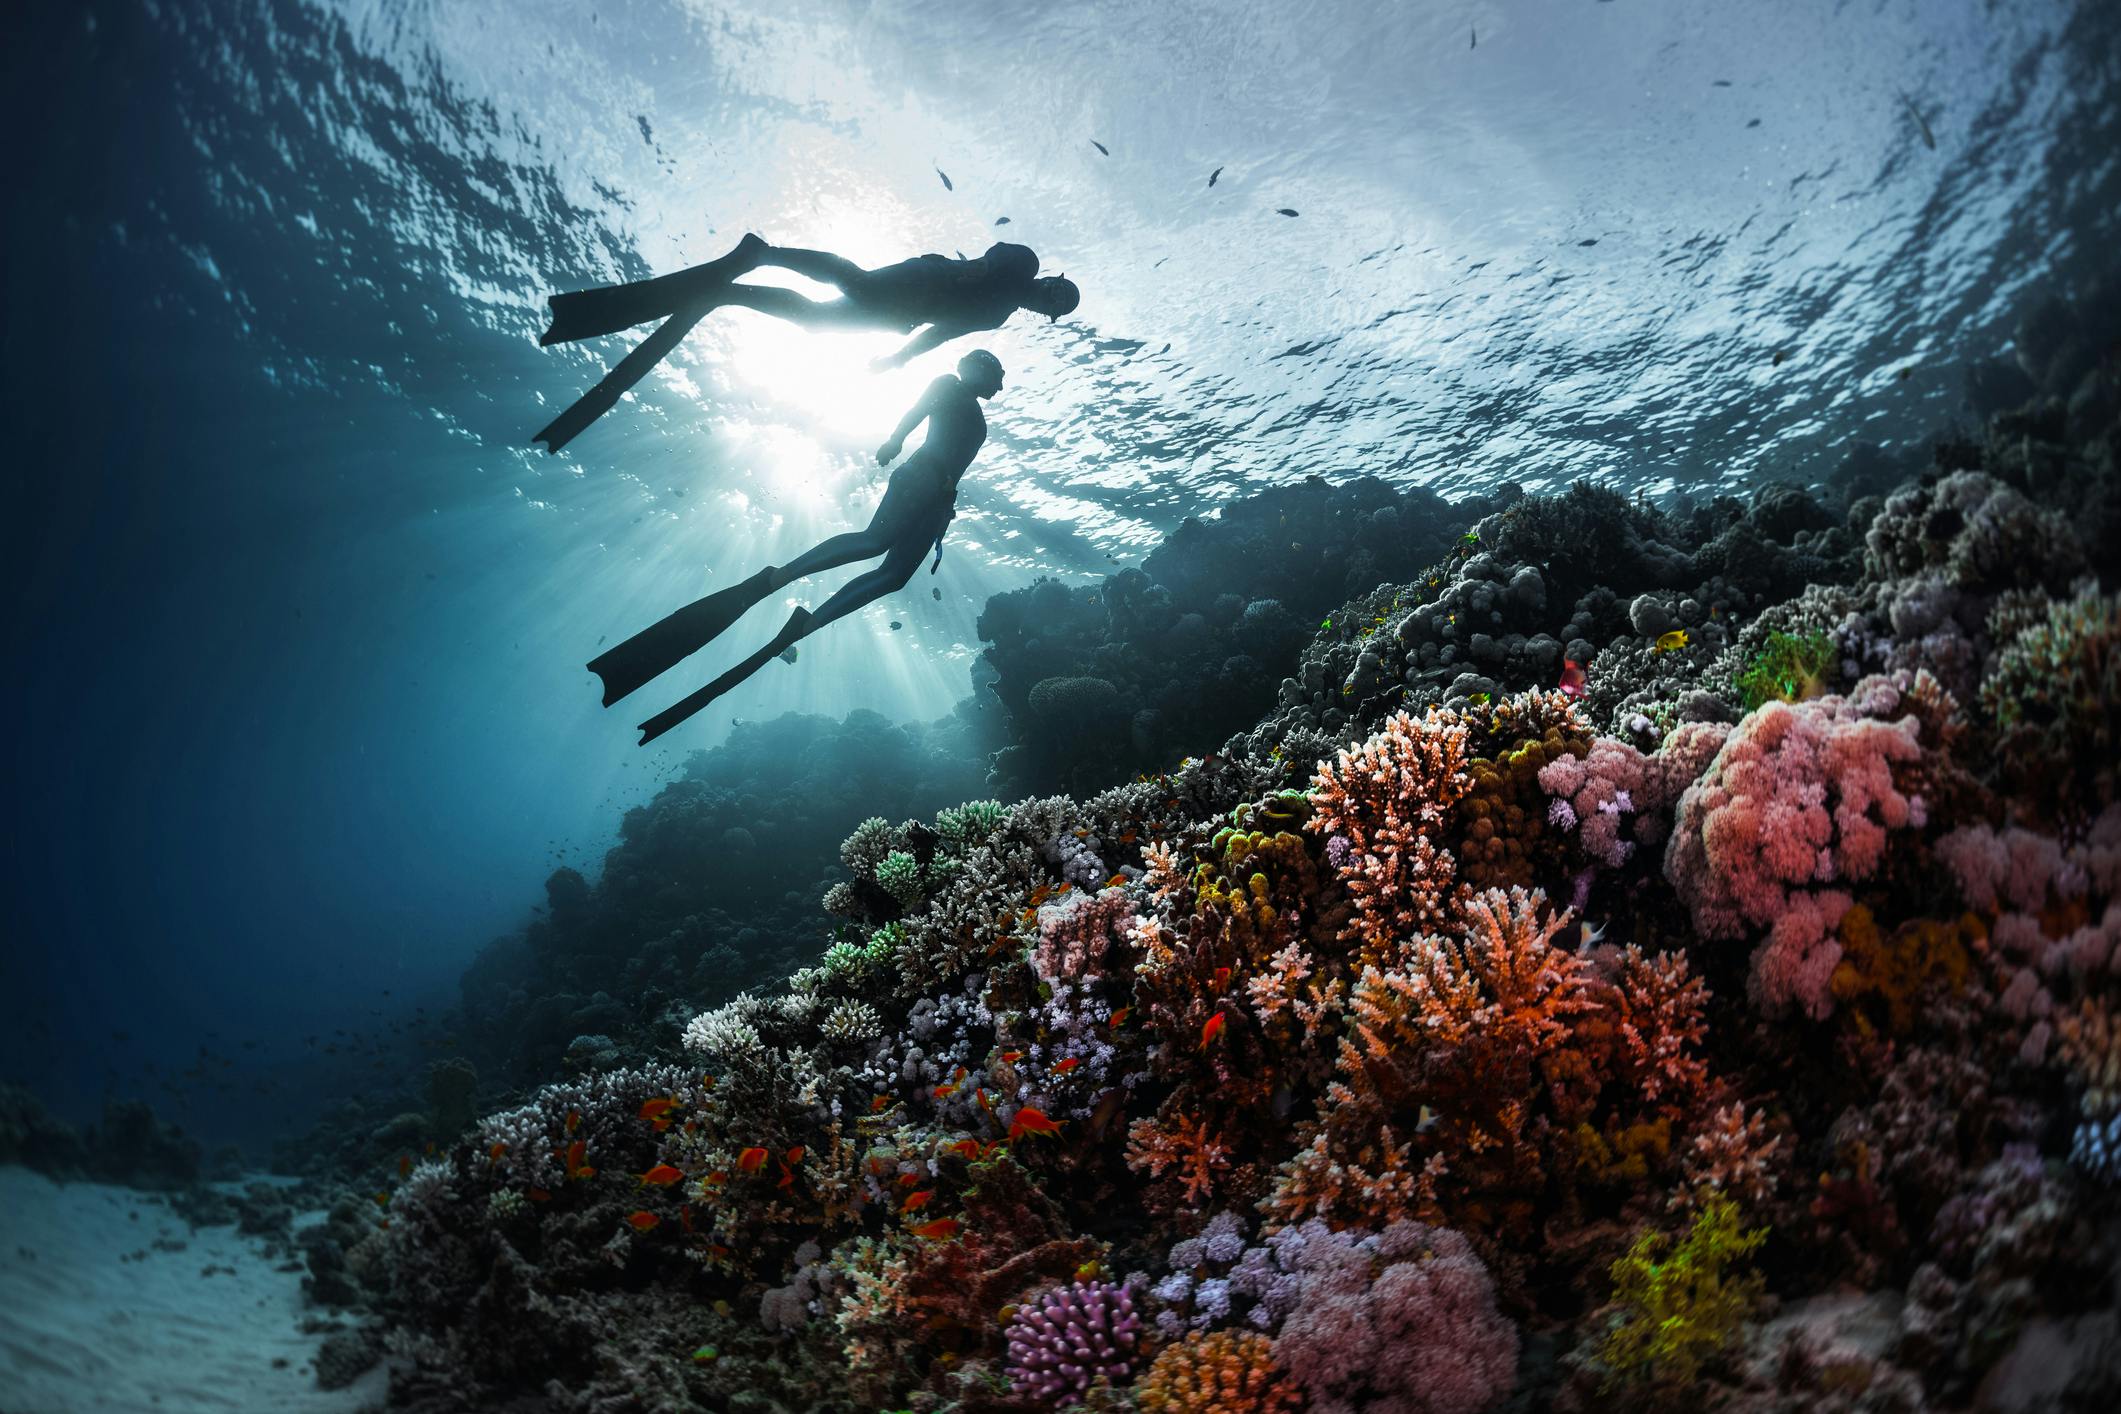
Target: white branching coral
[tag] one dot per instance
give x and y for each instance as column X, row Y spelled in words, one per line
column 727, row 1031
column 870, row 842
column 851, row 1022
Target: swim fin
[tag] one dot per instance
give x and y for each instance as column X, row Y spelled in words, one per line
column 608, row 309
column 661, row 646
column 798, row 626
column 630, row 370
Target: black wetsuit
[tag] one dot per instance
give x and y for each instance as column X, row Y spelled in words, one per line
column 936, row 289
column 921, row 498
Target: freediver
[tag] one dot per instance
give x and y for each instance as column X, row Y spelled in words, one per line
column 919, row 502
column 951, row 297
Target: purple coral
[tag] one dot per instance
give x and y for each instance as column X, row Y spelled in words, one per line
column 1060, row 1344
column 1400, row 1322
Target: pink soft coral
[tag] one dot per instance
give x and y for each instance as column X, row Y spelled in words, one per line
column 1800, row 797
column 1621, row 797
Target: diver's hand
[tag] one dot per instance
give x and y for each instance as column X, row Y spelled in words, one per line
column 888, row 453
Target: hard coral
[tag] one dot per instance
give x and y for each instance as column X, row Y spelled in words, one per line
column 1219, row 1372
column 1682, row 1305
column 1072, row 1336
column 1385, row 798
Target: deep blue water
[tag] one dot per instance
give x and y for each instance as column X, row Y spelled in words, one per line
column 297, row 621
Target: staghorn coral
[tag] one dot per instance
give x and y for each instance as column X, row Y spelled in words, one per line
column 1219, row 1372
column 1385, row 798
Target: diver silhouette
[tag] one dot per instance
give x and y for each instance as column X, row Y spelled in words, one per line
column 919, row 503
column 952, row 297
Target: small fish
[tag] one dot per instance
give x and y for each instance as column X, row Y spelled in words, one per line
column 940, row 1228
column 1929, row 139
column 937, row 593
column 1285, row 210
column 1222, row 978
column 1779, row 357
column 1011, row 1057
column 1101, row 147
column 947, row 186
column 575, row 1167
column 1001, row 220
column 966, row 1149
column 1213, row 175
column 1474, row 31
column 493, row 1154
column 1572, row 678
column 1119, row 1018
column 574, row 1120
column 538, row 1195
column 641, row 1220
column 944, row 1092
column 1210, row 1029
column 795, row 1155
column 917, row 1201
column 878, row 1105
column 404, row 1165
column 657, row 1109
column 382, row 1200
column 896, row 625
column 662, row 1175
column 706, row 1355
column 1063, row 1067
column 1754, row 123
column 1031, row 1121
column 1720, row 83
column 752, row 1159
column 1666, row 642
column 788, row 654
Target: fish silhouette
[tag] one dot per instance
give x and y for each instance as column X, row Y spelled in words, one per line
column 1101, row 147
column 1213, row 175
column 946, row 179
column 1001, row 220
column 1285, row 210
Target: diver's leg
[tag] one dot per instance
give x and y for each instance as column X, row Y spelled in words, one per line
column 820, row 265
column 795, row 308
column 584, row 314
column 898, row 567
column 831, row 554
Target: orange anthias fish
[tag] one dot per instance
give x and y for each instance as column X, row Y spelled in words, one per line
column 967, row 1149
column 662, row 1175
column 575, row 1167
column 1212, row 1028
column 1063, row 1067
column 1222, row 978
column 657, row 1112
column 917, row 1201
column 944, row 1092
column 878, row 1105
column 493, row 1153
column 641, row 1220
column 404, row 1164
column 940, row 1228
column 1119, row 1018
column 1031, row 1121
column 1011, row 1057
column 539, row 1195
column 574, row 1120
column 1572, row 681
column 752, row 1159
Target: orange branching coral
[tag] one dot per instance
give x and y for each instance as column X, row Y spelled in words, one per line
column 1185, row 1146
column 1734, row 1154
column 1379, row 803
column 1382, row 1180
column 1226, row 1372
column 1659, row 1012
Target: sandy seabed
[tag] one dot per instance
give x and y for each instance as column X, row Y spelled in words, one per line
column 196, row 1320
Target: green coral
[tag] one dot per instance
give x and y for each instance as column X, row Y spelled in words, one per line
column 900, row 875
column 971, row 822
column 1685, row 1307
column 1790, row 667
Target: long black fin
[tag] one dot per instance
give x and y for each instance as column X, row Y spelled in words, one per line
column 797, row 627
column 630, row 370
column 663, row 645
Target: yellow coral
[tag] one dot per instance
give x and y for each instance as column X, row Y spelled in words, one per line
column 1228, row 1372
column 1892, row 973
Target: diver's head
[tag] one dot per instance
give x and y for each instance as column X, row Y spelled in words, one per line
column 1053, row 296
column 981, row 373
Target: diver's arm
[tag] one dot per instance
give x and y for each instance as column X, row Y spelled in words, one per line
column 888, row 453
column 932, row 337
